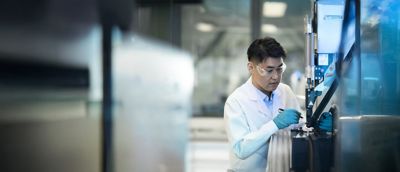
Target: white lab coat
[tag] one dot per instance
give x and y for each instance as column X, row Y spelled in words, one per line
column 249, row 124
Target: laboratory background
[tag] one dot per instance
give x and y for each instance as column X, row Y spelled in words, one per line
column 140, row 85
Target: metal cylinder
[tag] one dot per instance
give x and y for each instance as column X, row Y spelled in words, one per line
column 309, row 55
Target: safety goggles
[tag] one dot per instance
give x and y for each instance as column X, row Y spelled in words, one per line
column 269, row 71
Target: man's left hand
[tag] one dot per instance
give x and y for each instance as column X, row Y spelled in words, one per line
column 325, row 122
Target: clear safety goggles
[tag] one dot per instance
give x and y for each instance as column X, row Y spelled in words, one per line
column 268, row 72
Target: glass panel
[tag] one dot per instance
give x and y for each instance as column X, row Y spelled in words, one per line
column 370, row 87
column 349, row 89
column 380, row 59
column 217, row 34
column 153, row 83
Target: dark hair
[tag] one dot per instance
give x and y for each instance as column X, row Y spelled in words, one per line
column 264, row 48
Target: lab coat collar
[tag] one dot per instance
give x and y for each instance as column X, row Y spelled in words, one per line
column 254, row 94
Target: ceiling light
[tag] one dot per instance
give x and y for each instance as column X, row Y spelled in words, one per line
column 274, row 9
column 205, row 27
column 269, row 28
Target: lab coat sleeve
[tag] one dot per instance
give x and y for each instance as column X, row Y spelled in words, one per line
column 243, row 141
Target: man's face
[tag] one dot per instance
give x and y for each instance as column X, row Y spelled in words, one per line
column 267, row 75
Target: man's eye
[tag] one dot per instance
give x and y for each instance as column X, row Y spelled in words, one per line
column 270, row 71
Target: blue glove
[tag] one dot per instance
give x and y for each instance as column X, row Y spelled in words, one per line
column 325, row 122
column 286, row 118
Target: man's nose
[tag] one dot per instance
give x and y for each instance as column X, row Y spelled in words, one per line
column 275, row 75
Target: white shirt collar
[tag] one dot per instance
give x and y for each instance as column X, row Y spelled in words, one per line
column 256, row 94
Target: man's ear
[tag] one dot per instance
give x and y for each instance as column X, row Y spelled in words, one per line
column 250, row 66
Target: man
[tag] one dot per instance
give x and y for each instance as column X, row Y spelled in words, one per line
column 259, row 108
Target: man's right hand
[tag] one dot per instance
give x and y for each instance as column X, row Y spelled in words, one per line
column 286, row 118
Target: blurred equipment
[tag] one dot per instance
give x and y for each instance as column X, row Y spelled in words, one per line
column 153, row 85
column 48, row 119
column 55, row 114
